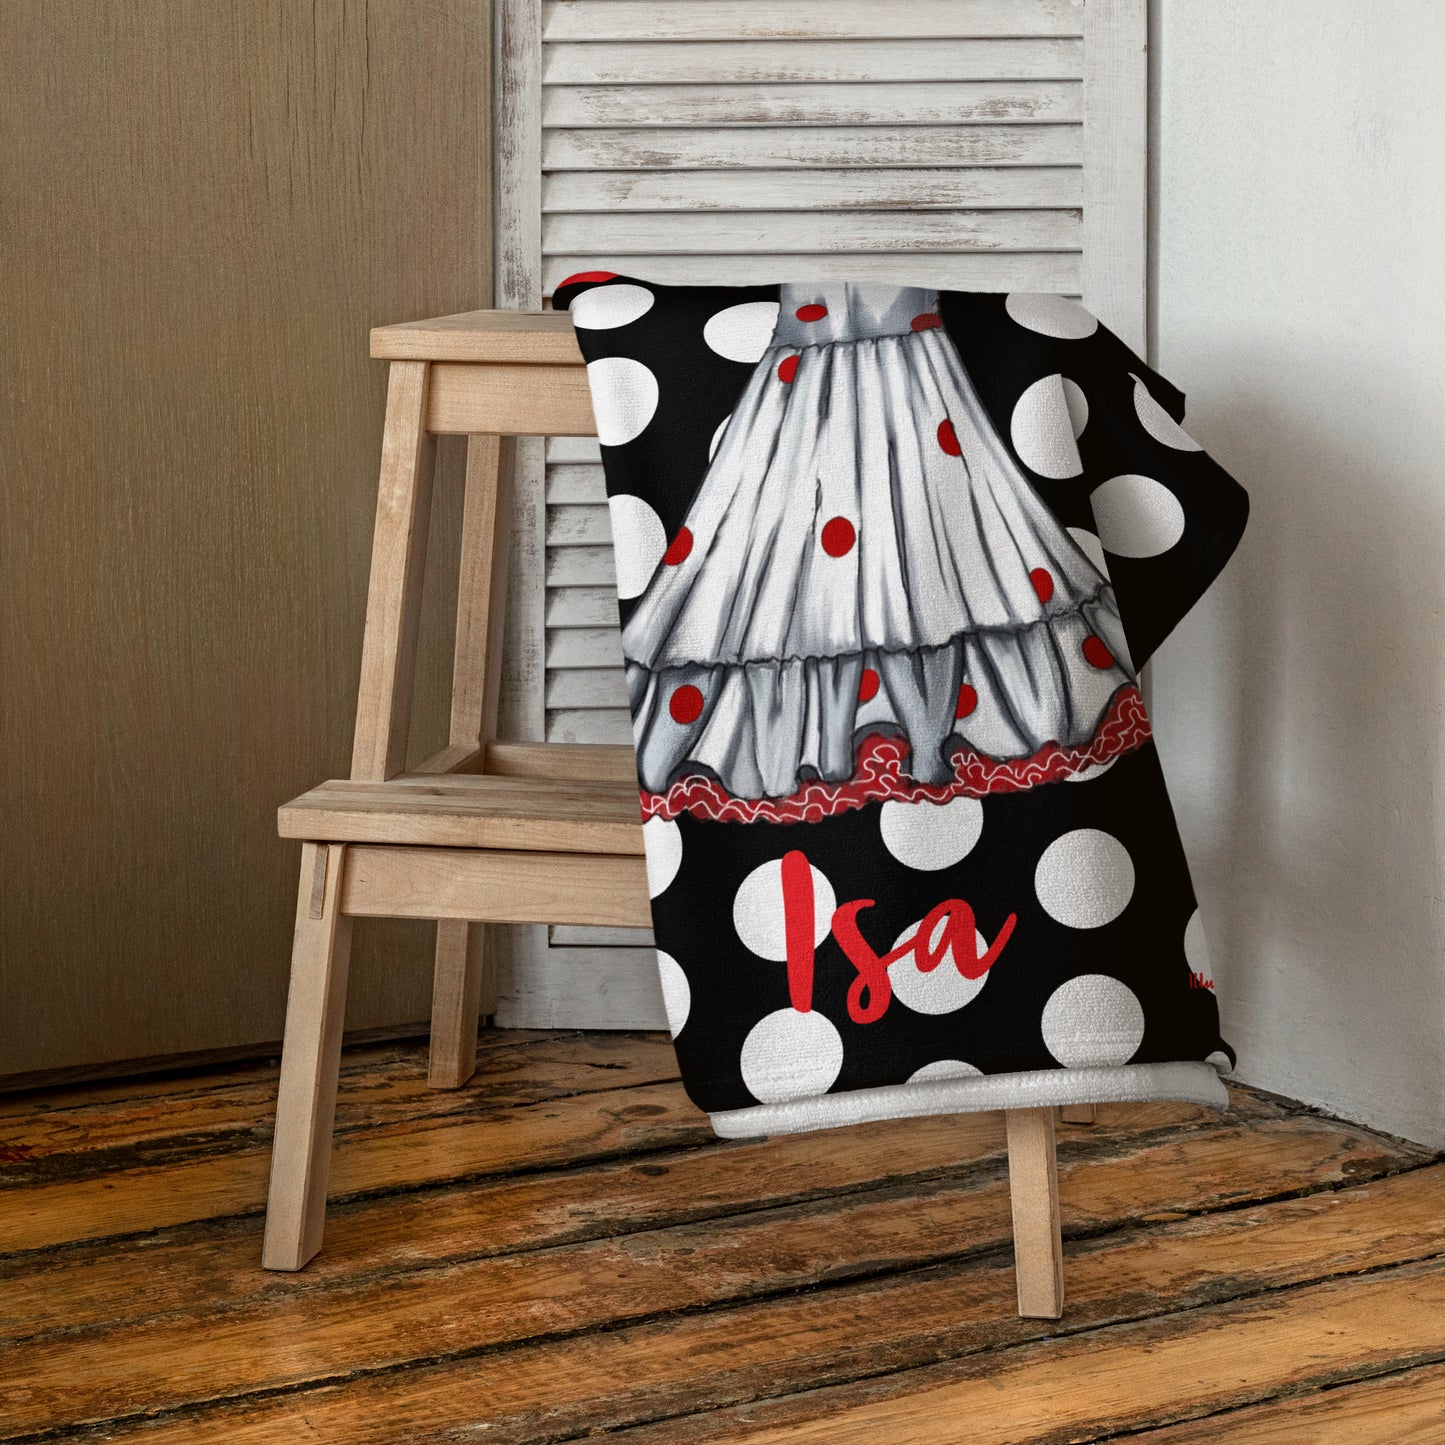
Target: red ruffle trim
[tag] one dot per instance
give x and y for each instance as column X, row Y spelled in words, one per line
column 879, row 776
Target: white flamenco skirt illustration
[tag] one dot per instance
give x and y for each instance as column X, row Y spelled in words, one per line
column 865, row 560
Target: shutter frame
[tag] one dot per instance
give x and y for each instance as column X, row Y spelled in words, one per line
column 846, row 143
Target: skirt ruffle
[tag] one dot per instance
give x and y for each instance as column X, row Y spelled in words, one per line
column 765, row 726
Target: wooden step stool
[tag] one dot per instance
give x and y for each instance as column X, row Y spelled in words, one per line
column 486, row 831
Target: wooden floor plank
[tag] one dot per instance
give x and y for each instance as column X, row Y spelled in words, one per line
column 102, row 1136
column 288, row 1338
column 1121, row 1377
column 189, row 1080
column 210, row 1269
column 1403, row 1409
column 563, row 1248
column 396, row 1156
column 1286, row 1332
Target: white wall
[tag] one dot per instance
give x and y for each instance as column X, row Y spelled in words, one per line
column 1299, row 217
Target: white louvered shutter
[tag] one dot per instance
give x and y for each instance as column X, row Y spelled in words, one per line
column 976, row 144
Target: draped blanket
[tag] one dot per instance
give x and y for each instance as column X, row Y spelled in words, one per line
column 888, row 562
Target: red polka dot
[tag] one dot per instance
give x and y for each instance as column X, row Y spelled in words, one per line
column 838, row 536
column 787, row 368
column 685, row 704
column 868, row 685
column 581, row 276
column 967, row 701
column 926, row 321
column 679, row 548
column 811, row 313
column 1043, row 583
column 948, row 438
column 1096, row 654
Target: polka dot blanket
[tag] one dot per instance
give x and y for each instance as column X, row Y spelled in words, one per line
column 888, row 563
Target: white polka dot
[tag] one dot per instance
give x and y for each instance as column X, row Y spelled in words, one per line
column 1046, row 423
column 1137, row 516
column 717, row 436
column 1158, row 423
column 1085, row 879
column 742, row 333
column 758, row 910
column 624, row 398
column 605, row 307
column 944, row 1069
column 1090, row 771
column 676, row 992
column 931, row 835
column 1092, row 548
column 1220, row 1060
column 1051, row 315
column 943, row 988
column 662, row 842
column 791, row 1055
column 638, row 542
column 1196, row 948
column 1093, row 1022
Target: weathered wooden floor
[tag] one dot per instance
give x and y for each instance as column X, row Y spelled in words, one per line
column 563, row 1250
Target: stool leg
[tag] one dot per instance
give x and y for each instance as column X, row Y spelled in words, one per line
column 463, row 987
column 310, row 1063
column 1034, row 1189
column 1078, row 1113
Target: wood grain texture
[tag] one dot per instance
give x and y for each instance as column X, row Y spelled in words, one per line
column 498, row 887
column 311, row 1060
column 1404, row 1409
column 1116, row 163
column 782, row 232
column 1034, row 1199
column 561, row 1249
column 472, row 811
column 523, row 400
column 977, row 271
column 866, row 103
column 491, row 335
column 810, row 61
column 809, row 147
column 845, row 19
column 206, row 206
column 400, row 536
column 559, row 760
column 847, row 189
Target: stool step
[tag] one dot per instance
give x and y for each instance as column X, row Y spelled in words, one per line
column 467, row 810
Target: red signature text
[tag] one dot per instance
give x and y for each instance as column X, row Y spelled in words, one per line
column 948, row 930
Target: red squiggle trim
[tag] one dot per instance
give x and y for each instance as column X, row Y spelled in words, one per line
column 879, row 776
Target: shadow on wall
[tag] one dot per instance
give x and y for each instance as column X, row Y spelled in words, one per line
column 1300, row 721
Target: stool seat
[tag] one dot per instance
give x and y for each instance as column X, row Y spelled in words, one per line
column 468, row 810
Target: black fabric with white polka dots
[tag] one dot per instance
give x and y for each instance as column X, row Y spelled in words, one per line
column 884, row 596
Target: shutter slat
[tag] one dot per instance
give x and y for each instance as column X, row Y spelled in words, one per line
column 843, row 19
column 581, row 525
column 589, row 725
column 584, row 647
column 784, row 232
column 581, row 607
column 586, row 687
column 811, row 61
column 982, row 271
column 575, row 483
column 580, row 567
column 579, row 936
column 1020, row 187
column 813, row 146
column 896, row 103
column 574, row 449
